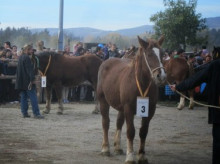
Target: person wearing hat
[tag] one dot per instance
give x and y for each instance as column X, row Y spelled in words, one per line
column 25, row 83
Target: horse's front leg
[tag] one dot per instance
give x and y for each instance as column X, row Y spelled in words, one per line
column 130, row 156
column 117, row 139
column 48, row 100
column 143, row 134
column 58, row 88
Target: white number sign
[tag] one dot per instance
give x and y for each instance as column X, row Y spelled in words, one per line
column 43, row 81
column 142, row 106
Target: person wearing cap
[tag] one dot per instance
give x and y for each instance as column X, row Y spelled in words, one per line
column 25, row 83
column 211, row 75
column 180, row 53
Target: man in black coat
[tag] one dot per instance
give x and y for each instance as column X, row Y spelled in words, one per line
column 25, row 83
column 210, row 75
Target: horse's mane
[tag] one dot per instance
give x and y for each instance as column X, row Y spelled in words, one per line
column 53, row 54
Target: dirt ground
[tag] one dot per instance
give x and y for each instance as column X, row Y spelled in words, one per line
column 175, row 137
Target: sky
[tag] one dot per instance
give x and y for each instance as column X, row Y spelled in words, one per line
column 100, row 14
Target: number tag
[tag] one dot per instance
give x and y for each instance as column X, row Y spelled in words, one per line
column 43, row 81
column 142, row 107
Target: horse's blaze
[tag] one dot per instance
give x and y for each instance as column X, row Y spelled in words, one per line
column 163, row 74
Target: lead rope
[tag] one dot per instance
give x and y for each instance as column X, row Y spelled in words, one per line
column 196, row 102
column 136, row 78
column 138, row 84
column 48, row 64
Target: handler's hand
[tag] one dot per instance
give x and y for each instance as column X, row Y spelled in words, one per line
column 173, row 87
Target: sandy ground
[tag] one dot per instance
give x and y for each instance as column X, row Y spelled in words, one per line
column 175, row 137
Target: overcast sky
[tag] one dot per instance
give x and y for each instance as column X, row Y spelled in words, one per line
column 101, row 14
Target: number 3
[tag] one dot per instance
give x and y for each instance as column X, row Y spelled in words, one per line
column 143, row 109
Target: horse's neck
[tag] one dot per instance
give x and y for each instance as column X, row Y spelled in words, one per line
column 143, row 74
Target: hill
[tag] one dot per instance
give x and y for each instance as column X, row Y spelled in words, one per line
column 85, row 31
column 213, row 22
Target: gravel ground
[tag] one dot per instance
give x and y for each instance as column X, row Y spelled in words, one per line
column 175, row 137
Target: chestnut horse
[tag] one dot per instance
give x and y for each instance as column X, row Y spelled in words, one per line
column 117, row 87
column 63, row 70
column 177, row 70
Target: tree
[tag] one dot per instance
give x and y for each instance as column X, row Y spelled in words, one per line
column 179, row 23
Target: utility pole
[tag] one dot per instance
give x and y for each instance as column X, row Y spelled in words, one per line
column 60, row 33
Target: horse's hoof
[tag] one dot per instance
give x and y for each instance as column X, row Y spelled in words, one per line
column 59, row 113
column 107, row 153
column 130, row 162
column 143, row 161
column 119, row 152
column 180, row 107
column 191, row 107
column 95, row 112
column 46, row 111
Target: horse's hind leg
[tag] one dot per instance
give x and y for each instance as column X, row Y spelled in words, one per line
column 191, row 102
column 96, row 110
column 48, row 100
column 143, row 134
column 58, row 89
column 181, row 103
column 117, row 139
column 104, row 109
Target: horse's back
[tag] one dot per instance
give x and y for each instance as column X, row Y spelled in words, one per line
column 112, row 68
column 113, row 76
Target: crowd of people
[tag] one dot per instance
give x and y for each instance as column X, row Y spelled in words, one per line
column 197, row 59
column 82, row 92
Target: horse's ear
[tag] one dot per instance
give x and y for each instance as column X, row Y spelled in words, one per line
column 161, row 39
column 143, row 43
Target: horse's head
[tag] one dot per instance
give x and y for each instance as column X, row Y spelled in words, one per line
column 216, row 52
column 153, row 53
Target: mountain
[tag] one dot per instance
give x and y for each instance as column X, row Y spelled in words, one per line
column 135, row 31
column 213, row 22
column 86, row 31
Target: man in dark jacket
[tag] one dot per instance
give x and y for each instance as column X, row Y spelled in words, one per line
column 25, row 83
column 210, row 75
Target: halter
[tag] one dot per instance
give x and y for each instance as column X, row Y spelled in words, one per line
column 48, row 64
column 148, row 66
column 144, row 94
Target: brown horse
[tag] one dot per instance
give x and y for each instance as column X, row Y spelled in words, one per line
column 63, row 70
column 117, row 87
column 177, row 70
